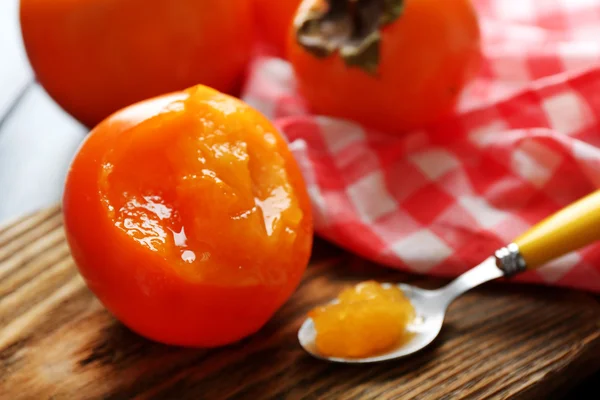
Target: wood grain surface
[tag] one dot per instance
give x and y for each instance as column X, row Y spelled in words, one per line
column 58, row 342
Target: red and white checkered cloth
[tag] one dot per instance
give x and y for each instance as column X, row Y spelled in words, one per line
column 524, row 142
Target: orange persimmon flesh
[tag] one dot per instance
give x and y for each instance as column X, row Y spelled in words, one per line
column 366, row 320
column 200, row 186
column 188, row 217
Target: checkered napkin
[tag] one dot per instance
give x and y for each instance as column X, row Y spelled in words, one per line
column 523, row 143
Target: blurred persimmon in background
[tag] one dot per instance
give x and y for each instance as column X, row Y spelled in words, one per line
column 97, row 56
column 394, row 65
column 274, row 18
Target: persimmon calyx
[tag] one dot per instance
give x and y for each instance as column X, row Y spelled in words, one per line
column 350, row 27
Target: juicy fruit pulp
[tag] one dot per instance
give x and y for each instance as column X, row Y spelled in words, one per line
column 205, row 191
column 188, row 217
column 367, row 319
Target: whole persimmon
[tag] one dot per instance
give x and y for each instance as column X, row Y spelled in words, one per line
column 395, row 65
column 97, row 56
column 274, row 19
column 188, row 217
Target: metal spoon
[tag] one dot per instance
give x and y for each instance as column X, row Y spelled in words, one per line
column 569, row 229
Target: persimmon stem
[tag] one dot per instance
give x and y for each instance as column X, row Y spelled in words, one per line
column 350, row 27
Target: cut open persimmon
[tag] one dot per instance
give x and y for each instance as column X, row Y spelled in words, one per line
column 188, row 217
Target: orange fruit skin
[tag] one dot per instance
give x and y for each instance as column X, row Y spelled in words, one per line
column 196, row 163
column 96, row 56
column 274, row 18
column 427, row 56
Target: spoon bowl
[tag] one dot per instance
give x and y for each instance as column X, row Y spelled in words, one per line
column 429, row 317
column 430, row 308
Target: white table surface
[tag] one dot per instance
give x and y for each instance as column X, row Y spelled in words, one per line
column 37, row 138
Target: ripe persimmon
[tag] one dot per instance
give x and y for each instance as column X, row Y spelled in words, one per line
column 274, row 19
column 188, row 217
column 96, row 56
column 393, row 65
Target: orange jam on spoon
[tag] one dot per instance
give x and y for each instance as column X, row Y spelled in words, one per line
column 366, row 320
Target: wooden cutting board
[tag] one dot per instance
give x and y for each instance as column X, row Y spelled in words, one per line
column 57, row 341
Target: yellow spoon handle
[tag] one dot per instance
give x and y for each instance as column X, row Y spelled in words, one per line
column 571, row 228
